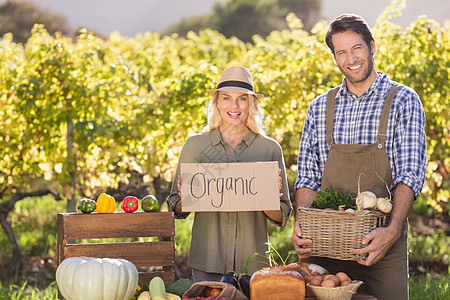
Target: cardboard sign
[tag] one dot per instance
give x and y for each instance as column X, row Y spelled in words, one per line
column 229, row 186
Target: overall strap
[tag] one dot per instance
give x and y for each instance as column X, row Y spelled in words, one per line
column 331, row 102
column 382, row 127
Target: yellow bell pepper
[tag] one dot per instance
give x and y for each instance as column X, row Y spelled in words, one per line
column 106, row 204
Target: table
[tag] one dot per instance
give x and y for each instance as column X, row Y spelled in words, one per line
column 355, row 297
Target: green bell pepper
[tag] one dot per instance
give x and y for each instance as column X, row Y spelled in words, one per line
column 86, row 205
column 150, row 204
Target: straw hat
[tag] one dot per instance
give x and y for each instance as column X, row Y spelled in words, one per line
column 236, row 79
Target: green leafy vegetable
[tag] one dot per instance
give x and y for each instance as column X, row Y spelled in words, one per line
column 180, row 286
column 333, row 199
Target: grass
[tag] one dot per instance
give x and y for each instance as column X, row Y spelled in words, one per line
column 428, row 287
column 34, row 222
column 436, row 246
column 25, row 291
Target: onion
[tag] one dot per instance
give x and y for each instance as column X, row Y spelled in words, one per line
column 384, row 205
column 366, row 200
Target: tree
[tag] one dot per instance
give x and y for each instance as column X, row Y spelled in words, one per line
column 18, row 17
column 306, row 10
column 245, row 18
column 22, row 147
column 195, row 24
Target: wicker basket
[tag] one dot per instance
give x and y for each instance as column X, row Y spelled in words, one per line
column 334, row 233
column 336, row 293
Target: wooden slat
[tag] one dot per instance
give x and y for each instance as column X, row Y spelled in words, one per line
column 141, row 254
column 117, row 225
column 168, row 277
column 61, row 242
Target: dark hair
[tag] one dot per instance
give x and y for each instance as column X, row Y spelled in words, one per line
column 350, row 22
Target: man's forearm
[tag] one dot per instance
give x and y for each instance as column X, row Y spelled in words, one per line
column 304, row 197
column 403, row 200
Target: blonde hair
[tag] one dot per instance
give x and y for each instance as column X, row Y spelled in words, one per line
column 255, row 119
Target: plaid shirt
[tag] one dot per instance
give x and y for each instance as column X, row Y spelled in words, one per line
column 356, row 121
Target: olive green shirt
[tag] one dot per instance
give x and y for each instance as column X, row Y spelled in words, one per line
column 222, row 241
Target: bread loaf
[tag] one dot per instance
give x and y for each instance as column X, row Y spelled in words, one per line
column 284, row 282
column 308, row 270
column 277, row 284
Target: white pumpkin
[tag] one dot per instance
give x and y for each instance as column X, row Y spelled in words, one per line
column 88, row 278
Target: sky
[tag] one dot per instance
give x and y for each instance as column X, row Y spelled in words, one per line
column 131, row 17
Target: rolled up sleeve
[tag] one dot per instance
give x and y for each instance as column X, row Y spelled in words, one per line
column 309, row 171
column 409, row 145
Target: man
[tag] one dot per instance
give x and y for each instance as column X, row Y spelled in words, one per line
column 350, row 134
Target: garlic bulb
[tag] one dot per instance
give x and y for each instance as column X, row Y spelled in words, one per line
column 384, row 205
column 366, row 200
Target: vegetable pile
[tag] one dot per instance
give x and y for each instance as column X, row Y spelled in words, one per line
column 333, row 199
column 207, row 298
column 180, row 286
column 368, row 201
column 107, row 204
column 155, row 290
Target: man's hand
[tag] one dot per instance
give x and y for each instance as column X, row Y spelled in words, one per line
column 381, row 240
column 303, row 197
column 297, row 241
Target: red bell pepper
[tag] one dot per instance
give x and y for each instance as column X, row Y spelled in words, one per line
column 130, row 204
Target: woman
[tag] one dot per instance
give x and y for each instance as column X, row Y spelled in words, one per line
column 222, row 241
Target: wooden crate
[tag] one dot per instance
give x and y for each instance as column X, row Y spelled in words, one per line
column 152, row 258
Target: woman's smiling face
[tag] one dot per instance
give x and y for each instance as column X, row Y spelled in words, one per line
column 233, row 107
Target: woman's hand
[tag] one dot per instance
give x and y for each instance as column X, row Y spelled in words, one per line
column 276, row 215
column 178, row 206
column 280, row 184
column 179, row 185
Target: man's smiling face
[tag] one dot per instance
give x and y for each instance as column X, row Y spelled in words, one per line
column 353, row 56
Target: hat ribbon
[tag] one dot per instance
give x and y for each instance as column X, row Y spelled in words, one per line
column 235, row 83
